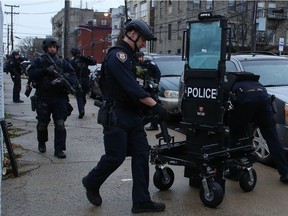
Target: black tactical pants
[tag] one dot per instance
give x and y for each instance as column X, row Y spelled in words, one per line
column 119, row 143
column 16, row 88
column 258, row 110
column 81, row 97
column 58, row 109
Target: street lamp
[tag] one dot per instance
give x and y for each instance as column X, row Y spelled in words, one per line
column 92, row 37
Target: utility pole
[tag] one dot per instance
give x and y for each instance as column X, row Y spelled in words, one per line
column 253, row 31
column 12, row 13
column 66, row 28
column 8, row 43
column 126, row 10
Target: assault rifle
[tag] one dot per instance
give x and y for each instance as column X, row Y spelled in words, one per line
column 164, row 134
column 61, row 77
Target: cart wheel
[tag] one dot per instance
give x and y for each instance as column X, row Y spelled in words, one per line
column 245, row 181
column 160, row 181
column 215, row 195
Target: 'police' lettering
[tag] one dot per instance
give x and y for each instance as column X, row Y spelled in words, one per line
column 203, row 93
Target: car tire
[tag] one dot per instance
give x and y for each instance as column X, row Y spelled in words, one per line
column 262, row 151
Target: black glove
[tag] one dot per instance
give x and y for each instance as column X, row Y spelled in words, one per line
column 50, row 70
column 160, row 111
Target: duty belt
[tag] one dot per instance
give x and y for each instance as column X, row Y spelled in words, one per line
column 244, row 90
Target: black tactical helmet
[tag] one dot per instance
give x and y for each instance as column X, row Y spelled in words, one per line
column 14, row 53
column 139, row 54
column 49, row 41
column 75, row 51
column 141, row 27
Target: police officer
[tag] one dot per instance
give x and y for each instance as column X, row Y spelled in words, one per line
column 252, row 104
column 14, row 67
column 80, row 64
column 127, row 137
column 151, row 72
column 52, row 95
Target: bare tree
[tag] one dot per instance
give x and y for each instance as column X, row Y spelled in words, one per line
column 25, row 47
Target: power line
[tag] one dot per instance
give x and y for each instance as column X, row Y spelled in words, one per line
column 12, row 13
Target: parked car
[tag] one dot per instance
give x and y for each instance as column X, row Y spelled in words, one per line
column 273, row 71
column 171, row 68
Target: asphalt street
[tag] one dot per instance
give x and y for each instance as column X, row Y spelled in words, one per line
column 48, row 186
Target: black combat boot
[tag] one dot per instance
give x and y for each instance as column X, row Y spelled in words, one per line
column 60, row 154
column 41, row 147
column 81, row 114
column 92, row 195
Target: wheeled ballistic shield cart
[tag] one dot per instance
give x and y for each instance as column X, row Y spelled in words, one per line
column 207, row 151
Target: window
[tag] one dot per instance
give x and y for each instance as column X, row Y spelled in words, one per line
column 179, row 30
column 209, row 4
column 160, row 34
column 271, row 8
column 243, row 6
column 232, row 5
column 143, row 9
column 242, row 32
column 179, row 5
column 104, row 22
column 135, row 11
column 161, row 9
column 169, row 31
column 201, row 54
column 197, row 4
column 261, row 9
column 233, row 34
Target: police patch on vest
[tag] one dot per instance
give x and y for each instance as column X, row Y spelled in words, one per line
column 121, row 56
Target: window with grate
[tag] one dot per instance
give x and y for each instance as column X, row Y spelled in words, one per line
column 209, row 4
column 232, row 5
column 169, row 31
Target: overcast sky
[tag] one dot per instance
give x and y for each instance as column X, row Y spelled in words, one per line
column 34, row 18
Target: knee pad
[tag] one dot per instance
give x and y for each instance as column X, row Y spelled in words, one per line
column 42, row 126
column 59, row 125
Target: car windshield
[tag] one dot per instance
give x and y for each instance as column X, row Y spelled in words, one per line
column 170, row 67
column 272, row 72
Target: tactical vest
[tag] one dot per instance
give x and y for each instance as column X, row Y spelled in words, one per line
column 44, row 86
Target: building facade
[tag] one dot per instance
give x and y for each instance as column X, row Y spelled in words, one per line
column 255, row 25
column 118, row 19
column 94, row 39
column 77, row 17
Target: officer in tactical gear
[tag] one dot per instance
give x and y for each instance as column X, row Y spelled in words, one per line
column 252, row 104
column 151, row 72
column 124, row 133
column 15, row 68
column 80, row 64
column 48, row 72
